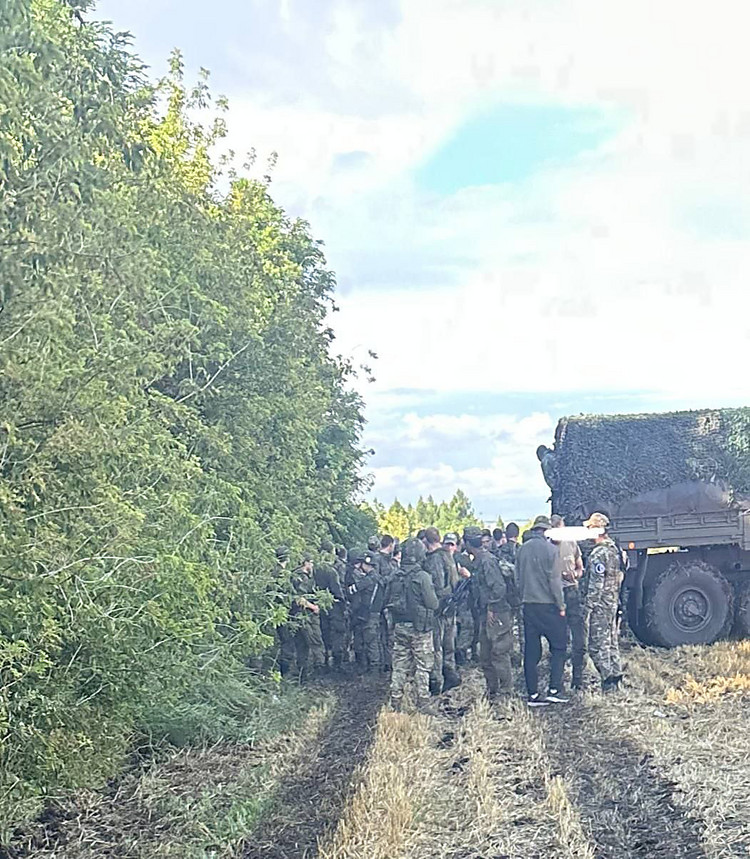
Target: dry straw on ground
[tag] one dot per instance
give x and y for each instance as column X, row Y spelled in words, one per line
column 658, row 770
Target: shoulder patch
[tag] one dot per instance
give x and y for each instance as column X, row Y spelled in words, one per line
column 600, row 568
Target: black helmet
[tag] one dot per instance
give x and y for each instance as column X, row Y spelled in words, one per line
column 412, row 551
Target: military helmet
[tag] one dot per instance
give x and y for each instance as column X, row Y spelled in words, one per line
column 326, row 546
column 283, row 553
column 412, row 551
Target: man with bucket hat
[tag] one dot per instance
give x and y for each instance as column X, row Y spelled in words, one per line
column 540, row 584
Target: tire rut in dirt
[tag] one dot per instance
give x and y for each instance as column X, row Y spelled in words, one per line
column 628, row 807
column 312, row 797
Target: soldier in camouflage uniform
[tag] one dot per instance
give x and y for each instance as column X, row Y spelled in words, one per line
column 600, row 593
column 412, row 602
column 442, row 570
column 285, row 632
column 450, row 617
column 332, row 620
column 305, row 614
column 508, row 552
column 496, row 599
column 389, row 549
column 467, row 614
column 341, row 565
column 366, row 599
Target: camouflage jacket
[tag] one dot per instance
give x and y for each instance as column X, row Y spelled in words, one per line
column 327, row 579
column 603, row 576
column 492, row 584
column 303, row 586
column 441, row 568
column 508, row 551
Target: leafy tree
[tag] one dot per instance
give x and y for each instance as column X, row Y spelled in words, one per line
column 402, row 522
column 395, row 521
column 171, row 407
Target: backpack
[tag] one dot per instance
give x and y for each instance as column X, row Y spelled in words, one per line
column 398, row 599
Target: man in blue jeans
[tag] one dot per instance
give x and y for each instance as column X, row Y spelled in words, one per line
column 540, row 586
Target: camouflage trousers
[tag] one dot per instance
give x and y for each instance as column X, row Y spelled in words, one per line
column 413, row 654
column 604, row 643
column 465, row 627
column 495, row 645
column 444, row 646
column 575, row 618
column 303, row 643
column 367, row 648
column 333, row 629
column 386, row 639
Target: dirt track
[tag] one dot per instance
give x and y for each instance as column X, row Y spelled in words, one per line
column 659, row 770
column 314, row 790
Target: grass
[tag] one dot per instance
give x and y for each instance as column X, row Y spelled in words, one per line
column 657, row 770
column 199, row 802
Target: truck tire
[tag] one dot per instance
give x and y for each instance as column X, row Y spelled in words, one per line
column 689, row 603
column 637, row 620
column 743, row 610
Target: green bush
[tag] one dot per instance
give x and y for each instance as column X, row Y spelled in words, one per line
column 170, row 405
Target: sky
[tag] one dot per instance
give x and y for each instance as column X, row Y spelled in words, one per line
column 534, row 208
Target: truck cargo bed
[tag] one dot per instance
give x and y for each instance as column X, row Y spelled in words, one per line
column 718, row 527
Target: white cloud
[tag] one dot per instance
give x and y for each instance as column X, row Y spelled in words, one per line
column 606, row 272
column 623, row 269
column 499, row 472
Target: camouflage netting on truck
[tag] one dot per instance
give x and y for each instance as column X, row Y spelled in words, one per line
column 621, row 463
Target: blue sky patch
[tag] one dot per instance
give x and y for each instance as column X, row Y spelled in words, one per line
column 511, row 142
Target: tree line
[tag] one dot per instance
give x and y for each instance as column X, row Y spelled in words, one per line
column 401, row 521
column 171, row 407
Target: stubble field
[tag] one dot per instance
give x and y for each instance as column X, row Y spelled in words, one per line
column 660, row 769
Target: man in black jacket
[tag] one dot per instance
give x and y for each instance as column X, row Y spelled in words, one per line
column 495, row 597
column 540, row 585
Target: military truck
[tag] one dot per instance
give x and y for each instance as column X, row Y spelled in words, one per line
column 676, row 487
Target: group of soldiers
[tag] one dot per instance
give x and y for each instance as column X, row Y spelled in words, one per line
column 422, row 608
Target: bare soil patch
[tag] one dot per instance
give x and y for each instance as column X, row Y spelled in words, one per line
column 626, row 803
column 317, row 785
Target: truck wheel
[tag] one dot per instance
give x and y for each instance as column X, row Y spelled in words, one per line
column 637, row 621
column 743, row 610
column 689, row 603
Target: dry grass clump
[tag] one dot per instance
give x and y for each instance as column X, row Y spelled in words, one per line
column 715, row 672
column 692, row 718
column 696, row 692
column 379, row 816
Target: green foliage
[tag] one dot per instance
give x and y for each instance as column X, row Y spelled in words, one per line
column 403, row 522
column 171, row 409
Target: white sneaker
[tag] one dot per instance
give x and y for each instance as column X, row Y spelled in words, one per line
column 537, row 701
column 555, row 697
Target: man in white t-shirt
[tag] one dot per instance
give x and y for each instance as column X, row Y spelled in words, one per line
column 571, row 569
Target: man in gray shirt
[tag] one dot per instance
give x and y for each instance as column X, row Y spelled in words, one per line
column 540, row 586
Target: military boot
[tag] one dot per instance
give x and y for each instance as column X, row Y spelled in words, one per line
column 450, row 680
